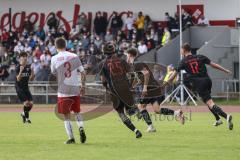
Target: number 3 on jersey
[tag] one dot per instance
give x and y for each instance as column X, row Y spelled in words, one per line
column 68, row 72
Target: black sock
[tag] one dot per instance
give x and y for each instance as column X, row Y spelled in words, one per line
column 214, row 113
column 166, row 111
column 146, row 117
column 26, row 111
column 127, row 121
column 219, row 111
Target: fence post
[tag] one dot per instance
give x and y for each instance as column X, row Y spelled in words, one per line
column 46, row 93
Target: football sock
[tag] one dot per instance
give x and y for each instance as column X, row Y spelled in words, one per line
column 219, row 111
column 166, row 111
column 68, row 127
column 146, row 117
column 214, row 113
column 79, row 120
column 26, row 111
column 127, row 121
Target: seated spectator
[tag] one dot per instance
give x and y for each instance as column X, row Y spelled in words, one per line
column 37, row 52
column 45, row 60
column 41, row 33
column 116, row 24
column 166, row 36
column 4, row 37
column 108, row 37
column 52, row 48
column 2, row 52
column 18, row 48
column 203, row 21
column 36, row 66
column 98, row 42
column 85, row 41
column 27, row 47
column 150, row 43
column 142, row 48
column 70, row 44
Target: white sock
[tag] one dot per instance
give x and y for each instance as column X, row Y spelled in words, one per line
column 68, row 127
column 135, row 130
column 176, row 113
column 79, row 120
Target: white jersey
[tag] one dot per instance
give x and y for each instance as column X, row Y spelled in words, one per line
column 66, row 66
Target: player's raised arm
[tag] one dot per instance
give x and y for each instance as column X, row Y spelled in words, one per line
column 218, row 67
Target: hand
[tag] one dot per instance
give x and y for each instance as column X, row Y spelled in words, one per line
column 82, row 91
column 228, row 71
column 144, row 92
column 21, row 69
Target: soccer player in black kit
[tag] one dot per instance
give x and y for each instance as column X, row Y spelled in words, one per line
column 24, row 73
column 113, row 71
column 195, row 66
column 151, row 92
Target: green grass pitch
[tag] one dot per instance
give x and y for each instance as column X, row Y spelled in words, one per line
column 108, row 139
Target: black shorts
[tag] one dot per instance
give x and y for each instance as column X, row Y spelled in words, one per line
column 119, row 103
column 152, row 100
column 203, row 87
column 24, row 94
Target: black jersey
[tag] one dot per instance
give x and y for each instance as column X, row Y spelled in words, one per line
column 194, row 65
column 114, row 69
column 154, row 89
column 23, row 83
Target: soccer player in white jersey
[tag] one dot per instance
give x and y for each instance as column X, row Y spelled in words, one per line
column 66, row 66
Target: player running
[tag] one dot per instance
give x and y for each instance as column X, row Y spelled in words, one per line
column 24, row 73
column 195, row 66
column 66, row 66
column 151, row 92
column 113, row 72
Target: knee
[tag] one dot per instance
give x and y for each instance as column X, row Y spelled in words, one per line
column 141, row 107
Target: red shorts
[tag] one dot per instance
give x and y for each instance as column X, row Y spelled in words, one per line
column 68, row 104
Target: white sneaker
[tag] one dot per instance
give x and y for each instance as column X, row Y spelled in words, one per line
column 217, row 123
column 229, row 121
column 151, row 129
column 180, row 116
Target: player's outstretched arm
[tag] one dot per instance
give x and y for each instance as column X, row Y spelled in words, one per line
column 218, row 67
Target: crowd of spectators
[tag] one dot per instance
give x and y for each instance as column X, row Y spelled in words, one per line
column 133, row 31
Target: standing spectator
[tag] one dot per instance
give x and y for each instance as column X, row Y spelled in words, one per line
column 52, row 22
column 142, row 48
column 45, row 60
column 36, row 66
column 100, row 25
column 116, row 24
column 52, row 48
column 129, row 21
column 140, row 26
column 28, row 25
column 166, row 36
column 4, row 38
column 171, row 23
column 82, row 21
column 148, row 24
column 203, row 21
column 186, row 19
column 3, row 72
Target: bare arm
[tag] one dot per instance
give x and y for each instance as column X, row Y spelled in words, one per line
column 32, row 76
column 146, row 74
column 20, row 73
column 218, row 67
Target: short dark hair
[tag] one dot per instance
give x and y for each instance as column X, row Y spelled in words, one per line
column 60, row 43
column 186, row 47
column 23, row 54
column 133, row 52
column 109, row 48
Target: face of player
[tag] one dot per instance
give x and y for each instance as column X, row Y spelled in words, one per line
column 23, row 61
